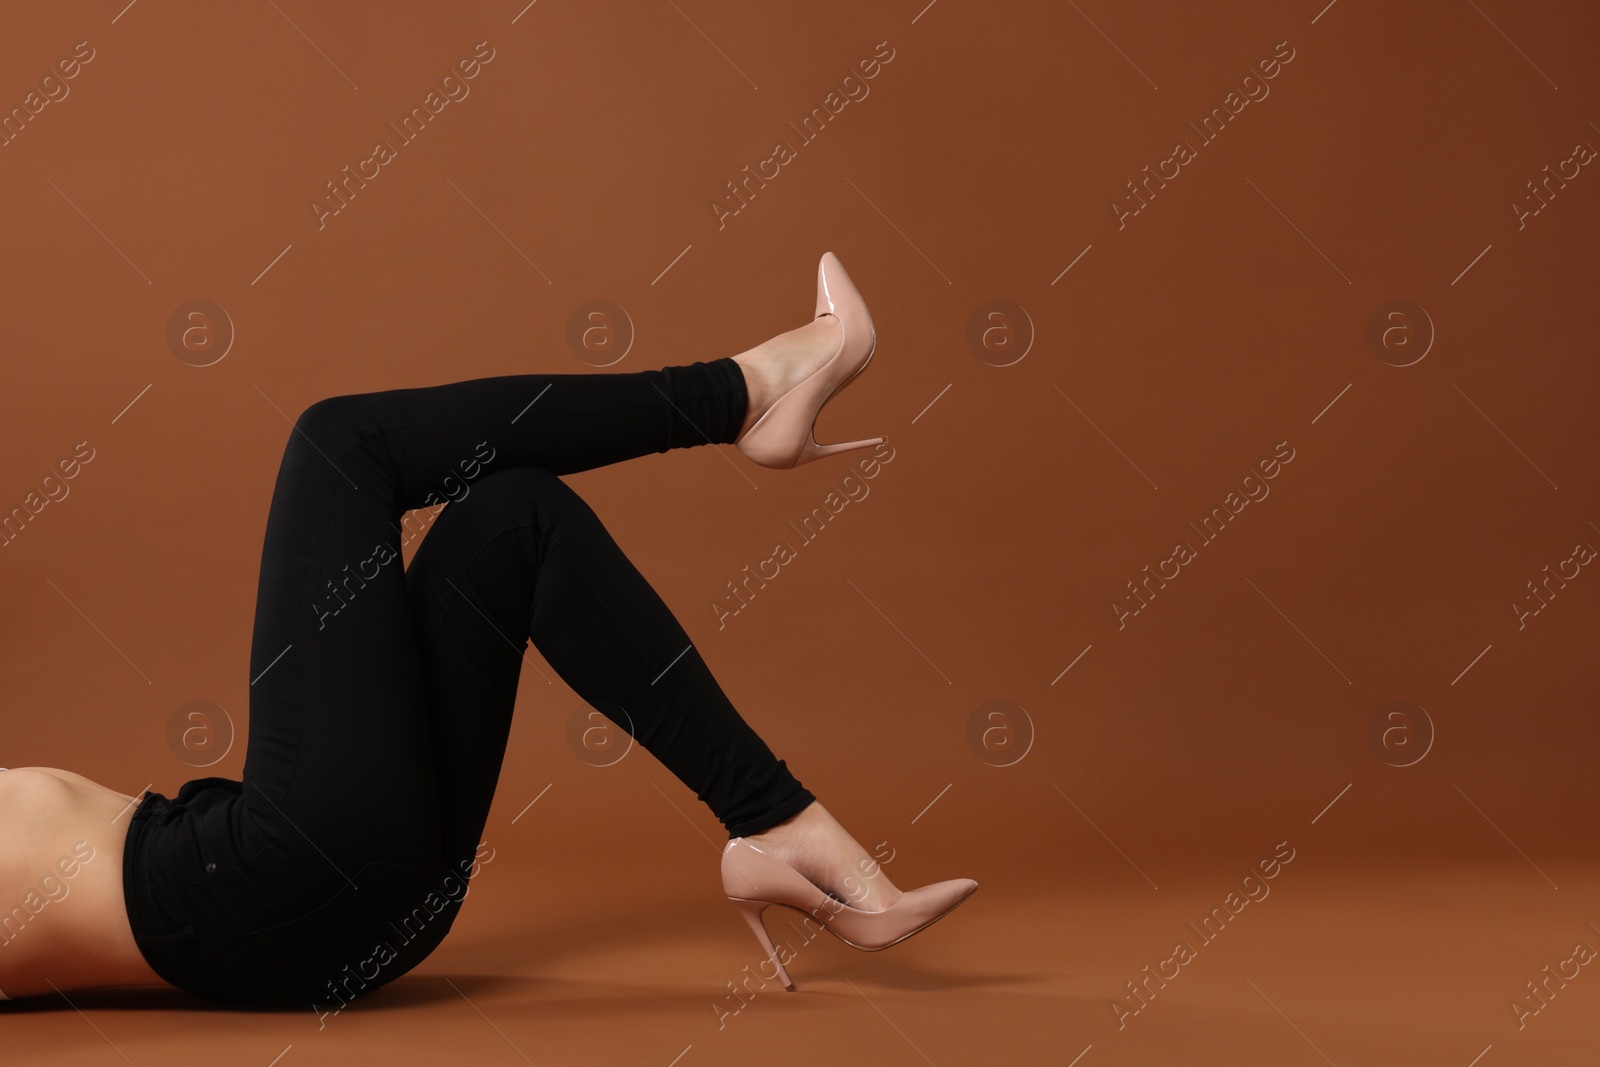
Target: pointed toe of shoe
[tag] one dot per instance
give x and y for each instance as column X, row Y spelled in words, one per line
column 942, row 896
column 916, row 910
column 828, row 266
column 784, row 435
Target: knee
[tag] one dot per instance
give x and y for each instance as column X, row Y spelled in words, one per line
column 534, row 492
column 332, row 420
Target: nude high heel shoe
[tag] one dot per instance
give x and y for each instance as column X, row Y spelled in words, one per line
column 755, row 880
column 783, row 435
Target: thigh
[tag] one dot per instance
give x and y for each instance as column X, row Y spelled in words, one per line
column 337, row 771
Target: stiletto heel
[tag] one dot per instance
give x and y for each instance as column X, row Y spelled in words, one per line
column 751, row 910
column 783, row 436
column 811, row 450
column 754, row 880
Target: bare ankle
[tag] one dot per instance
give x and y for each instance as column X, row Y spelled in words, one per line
column 814, row 843
column 777, row 364
column 758, row 391
column 790, row 828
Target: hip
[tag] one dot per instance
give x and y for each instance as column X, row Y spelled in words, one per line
column 225, row 920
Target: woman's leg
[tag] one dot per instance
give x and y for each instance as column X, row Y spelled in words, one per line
column 520, row 556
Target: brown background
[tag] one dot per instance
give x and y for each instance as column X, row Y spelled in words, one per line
column 1176, row 352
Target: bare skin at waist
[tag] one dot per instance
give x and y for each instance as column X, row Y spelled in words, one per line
column 63, row 922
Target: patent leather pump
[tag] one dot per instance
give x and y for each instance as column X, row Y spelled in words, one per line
column 784, row 434
column 755, row 880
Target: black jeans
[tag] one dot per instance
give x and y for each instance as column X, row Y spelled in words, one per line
column 381, row 698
